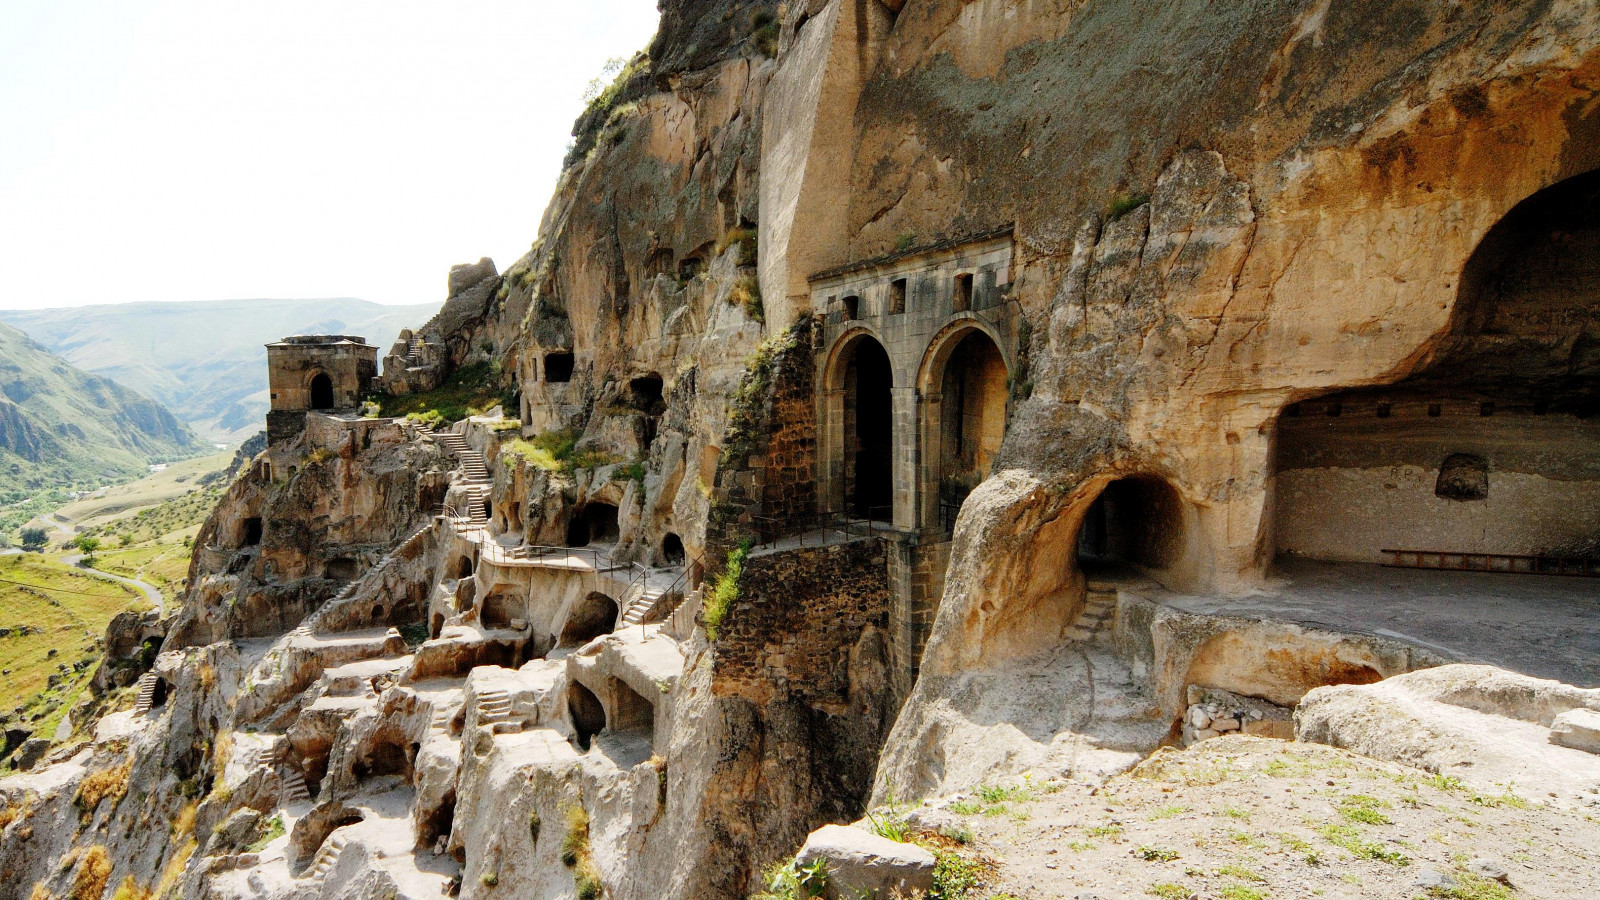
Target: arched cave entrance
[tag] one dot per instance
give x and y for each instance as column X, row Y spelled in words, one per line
column 588, row 716
column 321, row 391
column 1493, row 445
column 672, row 552
column 868, row 430
column 463, row 567
column 970, row 420
column 645, row 394
column 596, row 615
column 500, row 608
column 1134, row 522
column 595, row 523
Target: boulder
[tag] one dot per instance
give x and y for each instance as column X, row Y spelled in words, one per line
column 863, row 864
column 1578, row 729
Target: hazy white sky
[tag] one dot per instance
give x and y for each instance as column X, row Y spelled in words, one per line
column 210, row 149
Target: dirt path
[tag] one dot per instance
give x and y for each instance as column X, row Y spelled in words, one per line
column 1240, row 818
column 151, row 592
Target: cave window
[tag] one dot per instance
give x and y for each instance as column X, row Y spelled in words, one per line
column 672, row 550
column 869, row 431
column 464, row 567
column 1463, row 476
column 252, row 531
column 596, row 615
column 499, row 609
column 377, row 612
column 558, row 367
column 588, row 716
column 897, row 296
column 850, row 308
column 321, row 391
column 644, row 394
column 341, row 569
column 1435, row 410
column 963, row 294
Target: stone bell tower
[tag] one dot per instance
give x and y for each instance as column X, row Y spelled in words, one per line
column 316, row 372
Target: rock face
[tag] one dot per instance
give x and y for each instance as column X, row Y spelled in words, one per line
column 1488, row 727
column 861, row 864
column 862, row 355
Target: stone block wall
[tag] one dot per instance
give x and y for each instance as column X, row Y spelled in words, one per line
column 767, row 476
column 801, row 623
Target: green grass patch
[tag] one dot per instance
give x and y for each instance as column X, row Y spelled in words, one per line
column 272, row 830
column 1241, row 873
column 468, row 391
column 724, row 591
column 1155, row 854
column 1347, row 837
column 1242, row 892
column 1167, row 890
column 53, row 618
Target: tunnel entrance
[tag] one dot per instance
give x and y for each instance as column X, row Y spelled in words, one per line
column 588, row 716
column 1493, row 446
column 632, row 711
column 252, row 531
column 321, row 391
column 1134, row 522
column 868, row 431
column 672, row 552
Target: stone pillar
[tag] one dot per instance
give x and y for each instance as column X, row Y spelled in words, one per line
column 831, row 450
column 930, row 434
column 906, row 470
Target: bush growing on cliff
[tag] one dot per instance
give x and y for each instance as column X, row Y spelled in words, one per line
column 725, row 590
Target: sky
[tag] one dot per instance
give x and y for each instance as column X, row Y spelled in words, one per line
column 219, row 149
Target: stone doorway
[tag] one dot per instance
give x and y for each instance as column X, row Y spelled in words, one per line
column 321, row 391
column 868, row 432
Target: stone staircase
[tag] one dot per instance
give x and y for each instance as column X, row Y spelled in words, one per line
column 1099, row 604
column 147, row 693
column 643, row 603
column 494, row 711
column 414, row 352
column 472, row 476
column 327, row 856
column 294, row 788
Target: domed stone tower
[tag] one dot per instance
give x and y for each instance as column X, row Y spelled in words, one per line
column 316, row 372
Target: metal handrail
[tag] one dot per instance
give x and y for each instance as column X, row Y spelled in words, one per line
column 771, row 530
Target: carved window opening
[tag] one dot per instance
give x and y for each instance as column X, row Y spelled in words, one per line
column 558, row 367
column 897, row 297
column 963, row 293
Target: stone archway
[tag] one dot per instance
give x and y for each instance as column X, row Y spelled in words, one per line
column 596, row 615
column 860, row 434
column 964, row 388
column 321, row 391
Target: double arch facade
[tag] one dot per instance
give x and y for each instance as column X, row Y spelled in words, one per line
column 937, row 332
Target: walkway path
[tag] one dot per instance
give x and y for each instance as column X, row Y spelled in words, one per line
column 151, row 592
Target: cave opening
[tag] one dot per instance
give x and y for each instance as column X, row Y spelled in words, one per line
column 588, row 716
column 321, row 391
column 1490, row 447
column 596, row 615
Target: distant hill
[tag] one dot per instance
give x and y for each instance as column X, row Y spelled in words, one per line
column 62, row 427
column 205, row 360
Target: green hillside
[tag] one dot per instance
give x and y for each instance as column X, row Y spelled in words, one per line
column 205, row 361
column 62, row 428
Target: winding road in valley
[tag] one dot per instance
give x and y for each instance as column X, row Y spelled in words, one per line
column 151, row 592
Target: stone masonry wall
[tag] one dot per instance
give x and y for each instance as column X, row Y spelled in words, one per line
column 766, row 479
column 801, row 619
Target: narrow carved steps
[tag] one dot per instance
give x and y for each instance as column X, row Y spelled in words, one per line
column 327, row 856
column 294, row 788
column 642, row 605
column 147, row 693
column 1099, row 605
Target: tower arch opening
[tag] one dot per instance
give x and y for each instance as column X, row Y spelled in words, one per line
column 321, row 391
